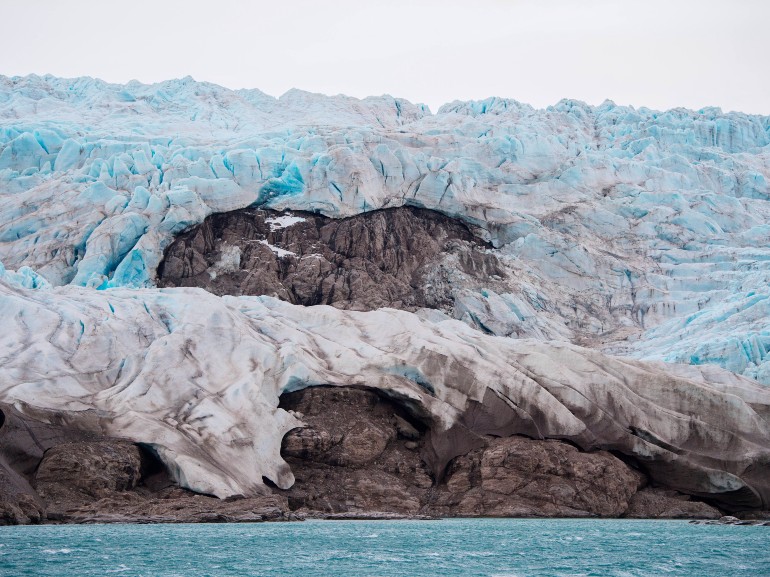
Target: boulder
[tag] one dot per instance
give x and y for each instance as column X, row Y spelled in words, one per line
column 520, row 477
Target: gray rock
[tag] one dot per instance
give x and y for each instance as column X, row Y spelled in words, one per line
column 94, row 470
column 406, row 429
column 368, row 470
column 363, row 442
column 23, row 441
column 307, row 443
column 379, row 471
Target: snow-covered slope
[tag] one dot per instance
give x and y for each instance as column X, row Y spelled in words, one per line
column 643, row 233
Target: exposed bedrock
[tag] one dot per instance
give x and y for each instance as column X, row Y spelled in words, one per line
column 361, row 454
column 113, row 481
column 23, row 442
column 405, row 258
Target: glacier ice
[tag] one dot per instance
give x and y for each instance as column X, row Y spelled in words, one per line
column 175, row 369
column 616, row 220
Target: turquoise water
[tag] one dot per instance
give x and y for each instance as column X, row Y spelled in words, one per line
column 467, row 547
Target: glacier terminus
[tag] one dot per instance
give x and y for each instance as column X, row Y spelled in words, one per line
column 601, row 274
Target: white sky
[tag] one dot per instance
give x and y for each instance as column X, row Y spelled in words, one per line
column 655, row 53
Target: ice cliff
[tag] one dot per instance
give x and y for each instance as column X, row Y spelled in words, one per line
column 619, row 231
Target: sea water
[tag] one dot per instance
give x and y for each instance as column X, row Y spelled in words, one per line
column 467, row 547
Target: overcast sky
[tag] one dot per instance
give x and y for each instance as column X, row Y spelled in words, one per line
column 655, row 53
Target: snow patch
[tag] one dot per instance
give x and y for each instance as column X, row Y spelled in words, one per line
column 280, row 252
column 285, row 221
column 229, row 261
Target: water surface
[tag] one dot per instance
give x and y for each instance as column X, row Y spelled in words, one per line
column 467, row 547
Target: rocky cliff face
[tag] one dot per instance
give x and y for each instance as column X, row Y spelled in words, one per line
column 197, row 378
column 361, row 453
column 359, row 456
column 404, row 258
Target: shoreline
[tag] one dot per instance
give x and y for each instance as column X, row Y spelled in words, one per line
column 385, row 518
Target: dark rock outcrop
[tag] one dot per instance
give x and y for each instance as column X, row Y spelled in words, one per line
column 86, row 472
column 19, row 504
column 668, row 504
column 363, row 453
column 520, row 477
column 404, row 258
column 354, row 456
column 173, row 505
column 23, row 442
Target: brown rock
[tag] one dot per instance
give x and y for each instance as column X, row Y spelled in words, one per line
column 403, row 257
column 94, row 469
column 405, row 428
column 307, row 444
column 363, row 442
column 20, row 509
column 368, row 469
column 668, row 504
column 374, row 469
column 23, row 441
column 177, row 506
column 516, row 476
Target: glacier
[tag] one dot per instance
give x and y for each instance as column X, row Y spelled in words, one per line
column 175, row 370
column 619, row 224
column 633, row 316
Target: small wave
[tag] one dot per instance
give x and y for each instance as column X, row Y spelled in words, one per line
column 372, row 536
column 57, row 551
column 120, row 569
